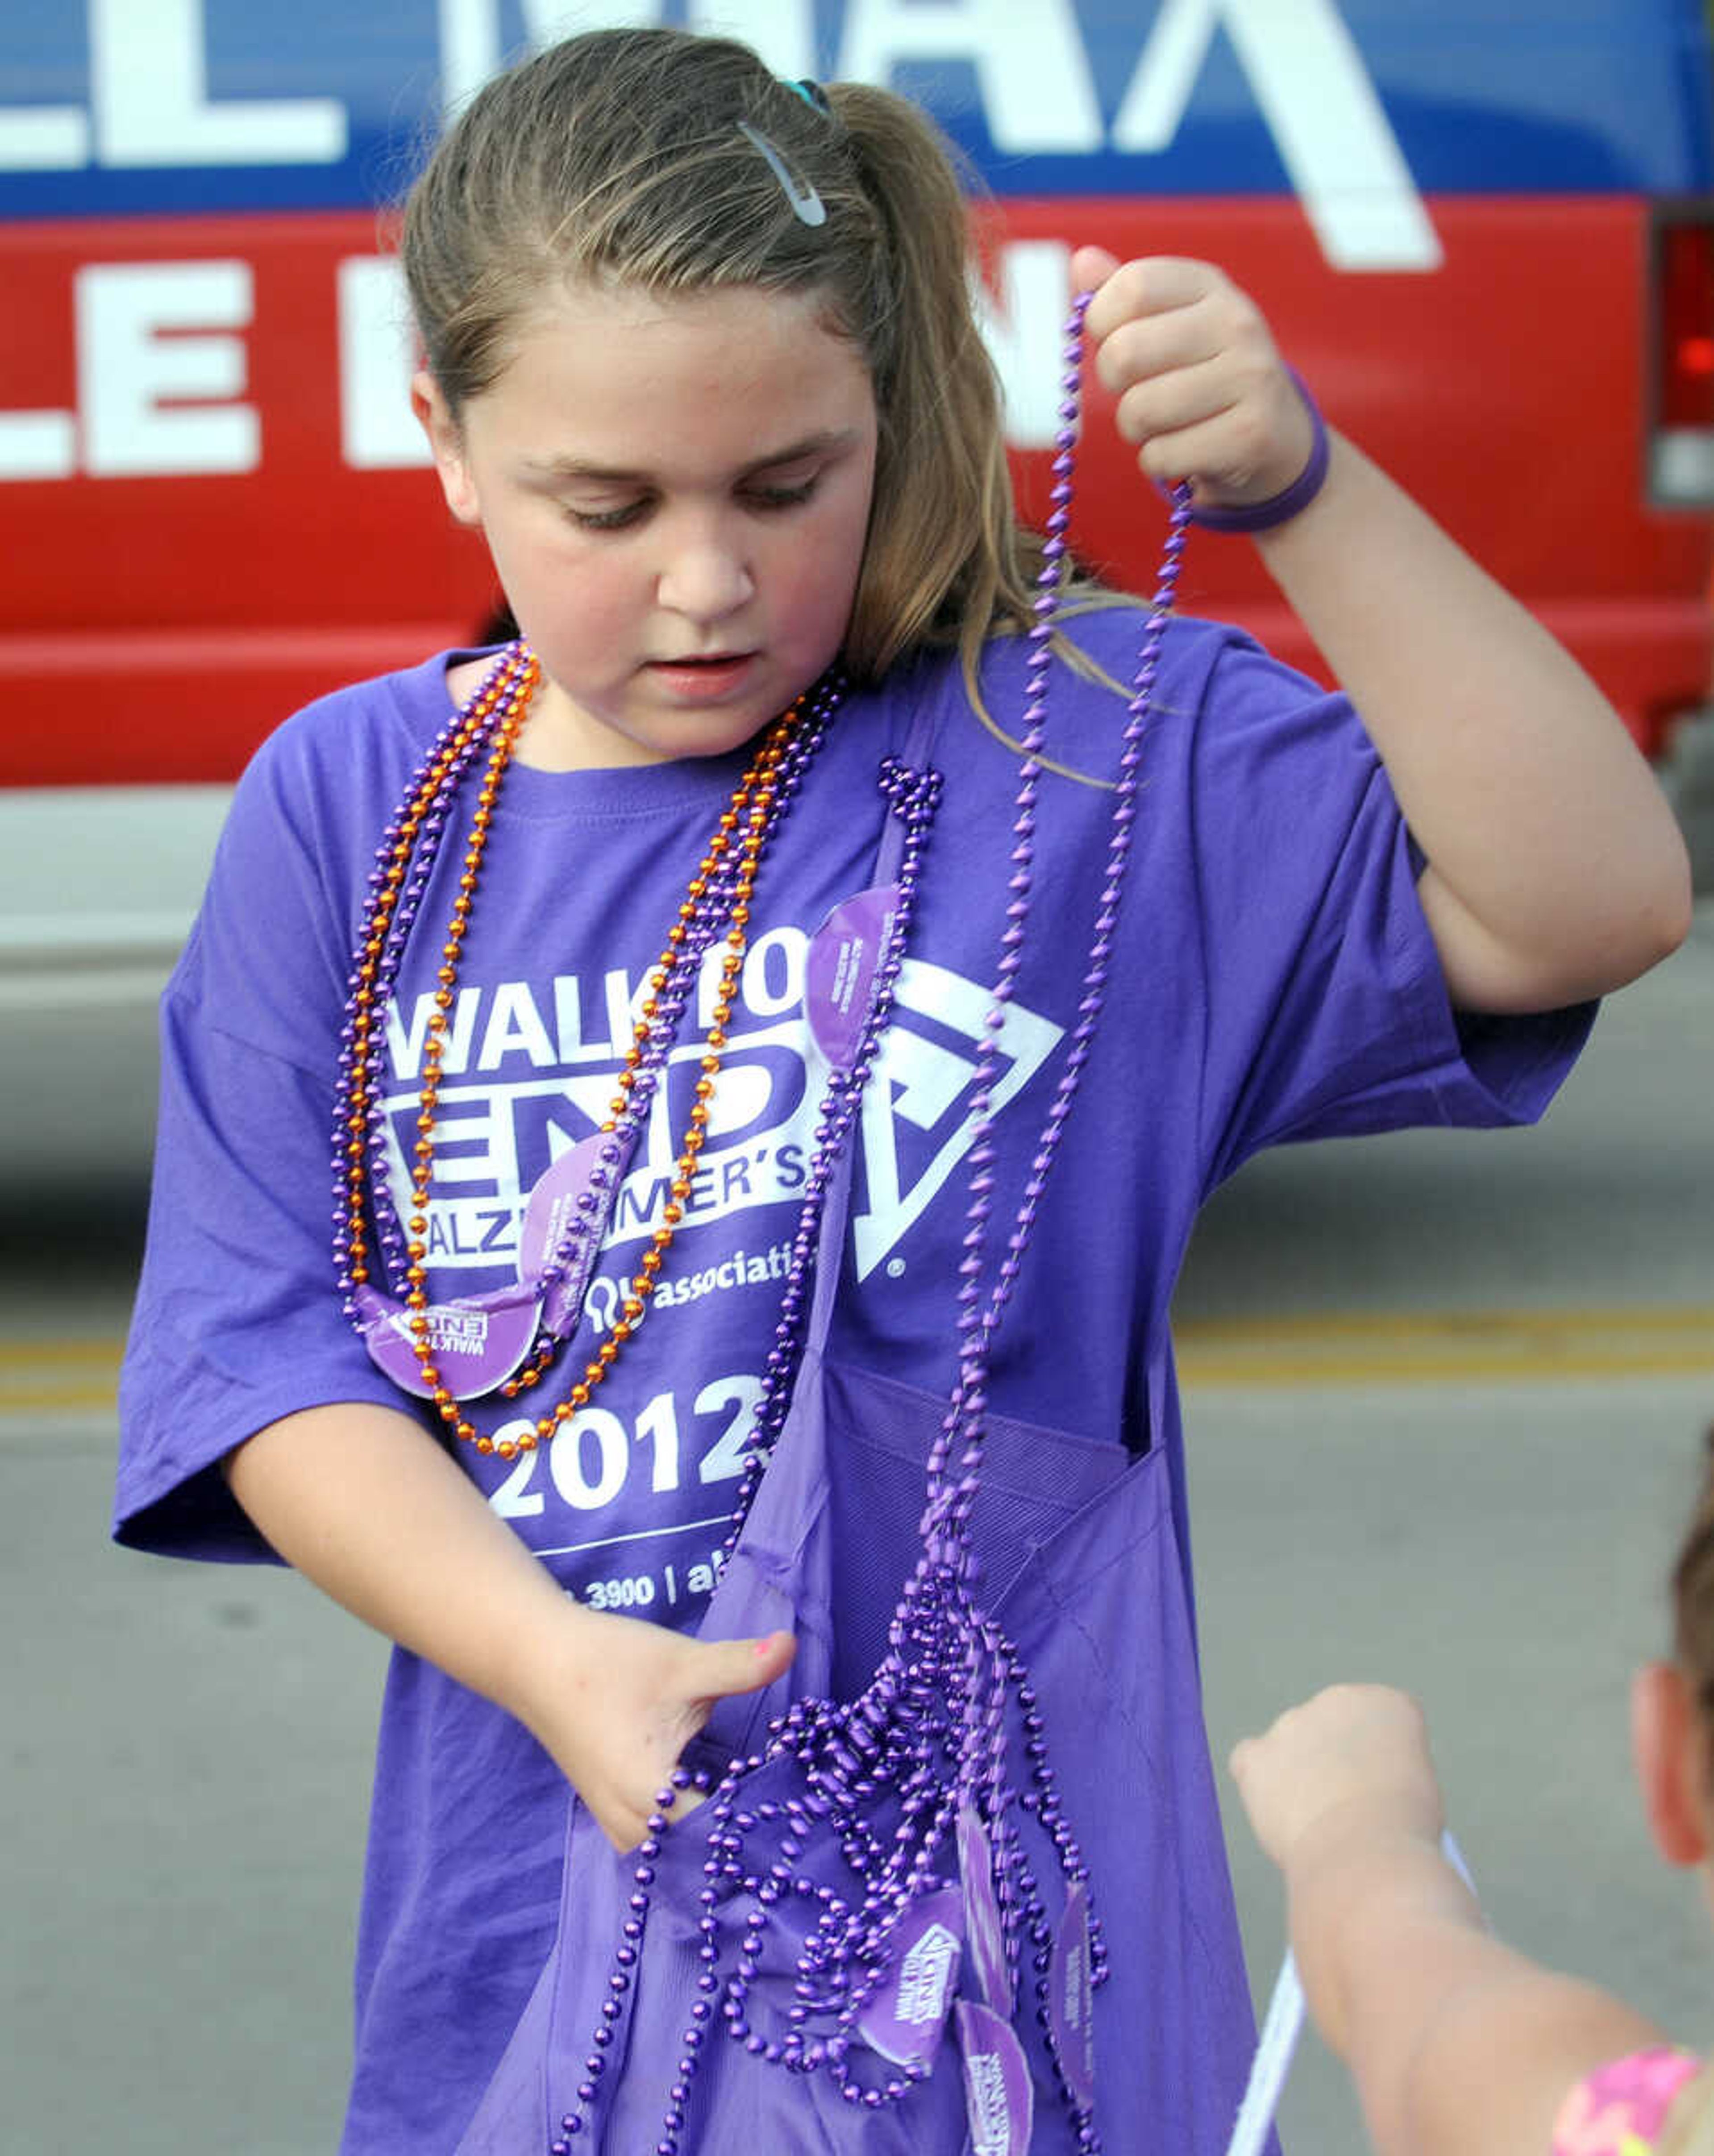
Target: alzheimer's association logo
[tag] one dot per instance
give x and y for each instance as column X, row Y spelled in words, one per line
column 906, row 2017
column 999, row 2101
column 926, row 1978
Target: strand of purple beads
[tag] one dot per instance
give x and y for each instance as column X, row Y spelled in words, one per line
column 711, row 919
column 464, row 737
column 883, row 1777
column 912, row 796
column 461, row 742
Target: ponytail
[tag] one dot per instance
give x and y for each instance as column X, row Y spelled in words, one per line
column 946, row 561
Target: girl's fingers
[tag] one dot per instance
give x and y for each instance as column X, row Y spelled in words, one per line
column 720, row 1669
column 1148, row 347
column 1091, row 268
column 1225, row 453
column 1243, row 438
column 1164, row 406
column 1154, row 284
column 713, row 1669
column 661, row 1687
column 1360, row 1751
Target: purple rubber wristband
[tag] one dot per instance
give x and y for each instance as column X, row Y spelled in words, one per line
column 1278, row 508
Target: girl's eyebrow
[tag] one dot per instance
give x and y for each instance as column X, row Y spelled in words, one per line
column 825, row 442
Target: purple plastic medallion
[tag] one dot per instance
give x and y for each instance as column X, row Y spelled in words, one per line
column 1070, row 2000
column 549, row 1213
column 999, row 2102
column 907, row 2015
column 475, row 1343
column 984, row 1931
column 839, row 971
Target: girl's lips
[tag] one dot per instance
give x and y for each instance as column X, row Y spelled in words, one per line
column 703, row 681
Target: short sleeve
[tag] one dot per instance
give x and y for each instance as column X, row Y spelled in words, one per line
column 1327, row 1011
column 1621, row 2109
column 236, row 1322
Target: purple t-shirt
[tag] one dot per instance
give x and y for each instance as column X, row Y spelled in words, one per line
column 1272, row 979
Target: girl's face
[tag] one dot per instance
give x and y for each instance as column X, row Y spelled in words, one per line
column 675, row 492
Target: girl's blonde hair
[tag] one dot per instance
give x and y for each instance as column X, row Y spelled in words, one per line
column 617, row 157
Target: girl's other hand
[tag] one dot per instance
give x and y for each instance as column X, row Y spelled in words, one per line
column 1203, row 393
column 1354, row 1757
column 633, row 1697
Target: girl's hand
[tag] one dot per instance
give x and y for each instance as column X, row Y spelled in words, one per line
column 1203, row 393
column 634, row 1697
column 1354, row 1757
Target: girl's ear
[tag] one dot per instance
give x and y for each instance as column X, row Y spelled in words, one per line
column 446, row 443
column 1668, row 1741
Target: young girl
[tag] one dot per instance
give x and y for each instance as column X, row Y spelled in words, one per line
column 721, row 1052
column 1426, row 2007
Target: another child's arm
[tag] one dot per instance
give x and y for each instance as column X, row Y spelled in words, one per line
column 1458, row 2045
column 365, row 1503
column 1557, row 871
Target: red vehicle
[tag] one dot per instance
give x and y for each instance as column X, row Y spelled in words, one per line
column 1484, row 236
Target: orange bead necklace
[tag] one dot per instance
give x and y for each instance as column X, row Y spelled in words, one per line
column 716, row 908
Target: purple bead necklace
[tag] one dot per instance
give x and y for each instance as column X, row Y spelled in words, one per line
column 712, row 918
column 913, row 797
column 548, row 1299
column 397, row 882
column 898, row 1828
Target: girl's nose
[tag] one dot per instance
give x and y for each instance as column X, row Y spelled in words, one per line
column 705, row 580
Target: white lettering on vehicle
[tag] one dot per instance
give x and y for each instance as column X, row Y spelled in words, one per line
column 149, row 104
column 1034, row 78
column 1321, row 106
column 472, row 48
column 378, row 357
column 38, row 444
column 139, row 368
column 160, row 371
column 153, row 398
column 1021, row 329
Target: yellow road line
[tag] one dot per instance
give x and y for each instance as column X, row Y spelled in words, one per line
column 43, row 1399
column 1361, row 1347
column 1639, row 1317
column 1426, row 1346
column 54, row 1376
column 101, row 1353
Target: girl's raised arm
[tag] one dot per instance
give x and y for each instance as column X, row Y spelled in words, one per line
column 1556, row 870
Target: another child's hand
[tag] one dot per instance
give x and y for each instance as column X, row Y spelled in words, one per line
column 1355, row 1756
column 637, row 1696
column 1203, row 392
